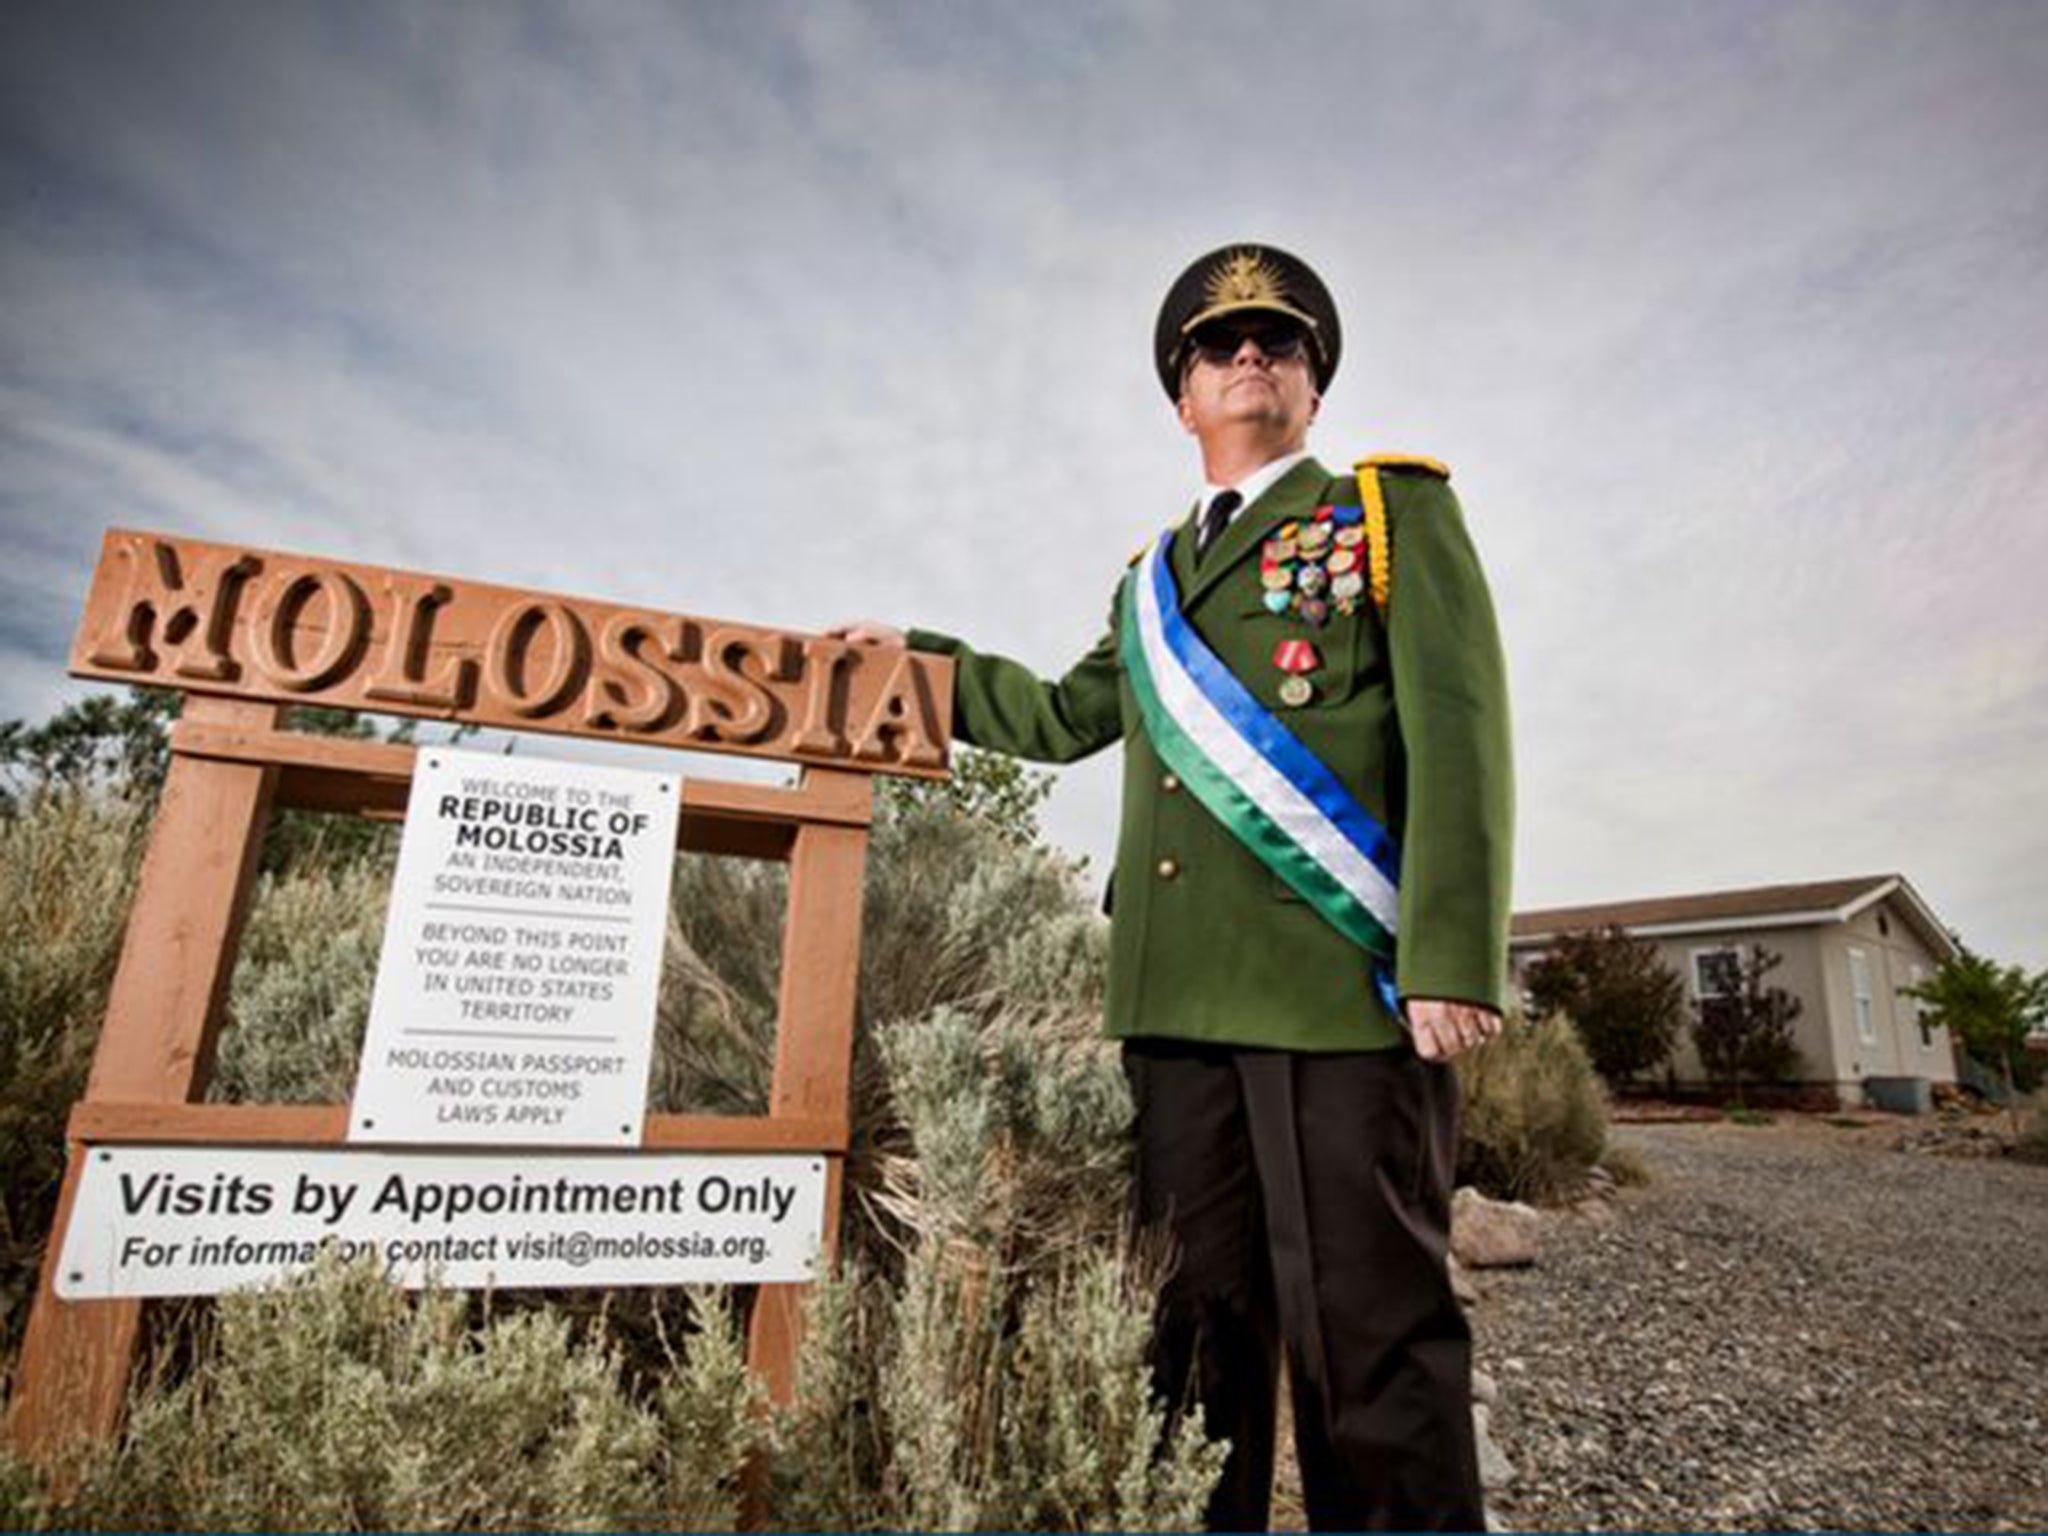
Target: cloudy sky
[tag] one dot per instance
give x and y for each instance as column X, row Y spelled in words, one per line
column 1732, row 320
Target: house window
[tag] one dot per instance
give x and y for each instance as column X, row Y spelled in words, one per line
column 1716, row 973
column 1865, row 1000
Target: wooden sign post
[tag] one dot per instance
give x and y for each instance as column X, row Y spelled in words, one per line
column 246, row 632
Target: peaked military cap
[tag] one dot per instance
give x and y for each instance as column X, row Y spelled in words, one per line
column 1238, row 279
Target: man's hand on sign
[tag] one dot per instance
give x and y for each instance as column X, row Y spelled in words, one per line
column 868, row 632
column 1442, row 1029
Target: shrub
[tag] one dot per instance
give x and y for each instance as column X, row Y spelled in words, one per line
column 1626, row 1002
column 1989, row 1011
column 1534, row 1113
column 959, row 912
column 1002, row 1381
column 986, row 787
column 1017, row 1135
column 963, row 1399
column 339, row 1402
column 67, row 867
column 1745, row 1033
column 300, row 996
column 1083, row 1442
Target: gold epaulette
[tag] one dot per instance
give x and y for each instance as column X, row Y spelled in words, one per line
column 1415, row 461
column 1379, row 552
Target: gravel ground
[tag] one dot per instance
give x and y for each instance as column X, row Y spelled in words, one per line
column 1792, row 1327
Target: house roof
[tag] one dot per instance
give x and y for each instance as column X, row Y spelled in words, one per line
column 1763, row 906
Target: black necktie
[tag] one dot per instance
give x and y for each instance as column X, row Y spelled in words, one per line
column 1214, row 519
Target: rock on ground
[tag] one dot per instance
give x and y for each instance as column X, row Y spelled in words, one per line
column 1492, row 1234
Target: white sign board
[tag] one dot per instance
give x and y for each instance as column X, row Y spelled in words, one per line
column 515, row 996
column 196, row 1221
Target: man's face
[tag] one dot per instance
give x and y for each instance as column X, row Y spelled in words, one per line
column 1250, row 370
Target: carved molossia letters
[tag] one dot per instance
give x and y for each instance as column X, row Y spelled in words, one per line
column 294, row 629
column 287, row 599
column 406, row 672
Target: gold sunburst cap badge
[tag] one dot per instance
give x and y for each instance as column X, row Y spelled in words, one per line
column 1246, row 279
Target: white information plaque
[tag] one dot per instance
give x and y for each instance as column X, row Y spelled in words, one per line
column 515, row 996
column 196, row 1221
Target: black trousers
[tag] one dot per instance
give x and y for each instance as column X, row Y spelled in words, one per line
column 1308, row 1199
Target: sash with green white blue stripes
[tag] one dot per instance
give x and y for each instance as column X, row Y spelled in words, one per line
column 1254, row 775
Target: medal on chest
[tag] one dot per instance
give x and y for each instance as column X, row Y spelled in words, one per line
column 1312, row 567
column 1296, row 658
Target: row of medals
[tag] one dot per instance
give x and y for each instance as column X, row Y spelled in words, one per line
column 1309, row 570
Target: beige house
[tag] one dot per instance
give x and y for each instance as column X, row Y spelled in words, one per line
column 1848, row 947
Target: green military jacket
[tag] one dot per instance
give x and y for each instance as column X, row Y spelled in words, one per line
column 1409, row 712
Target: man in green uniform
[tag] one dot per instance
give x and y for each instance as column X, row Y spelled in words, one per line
column 1310, row 905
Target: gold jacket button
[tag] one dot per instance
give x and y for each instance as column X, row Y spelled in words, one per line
column 1170, row 783
column 1168, row 868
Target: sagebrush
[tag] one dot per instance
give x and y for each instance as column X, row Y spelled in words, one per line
column 338, row 1402
column 999, row 1380
column 1533, row 1112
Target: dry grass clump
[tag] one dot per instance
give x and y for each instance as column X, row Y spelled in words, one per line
column 1628, row 1165
column 67, row 866
column 23, row 1504
column 1534, row 1112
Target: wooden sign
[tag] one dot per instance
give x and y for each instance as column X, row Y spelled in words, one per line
column 290, row 629
column 246, row 632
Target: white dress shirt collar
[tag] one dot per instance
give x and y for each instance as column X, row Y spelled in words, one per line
column 1257, row 483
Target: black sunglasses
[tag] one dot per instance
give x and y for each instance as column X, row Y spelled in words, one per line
column 1218, row 344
